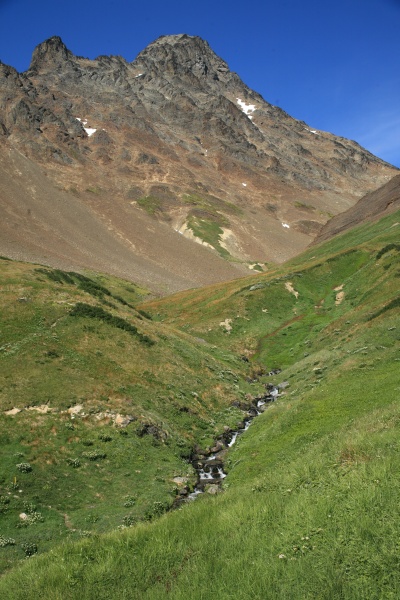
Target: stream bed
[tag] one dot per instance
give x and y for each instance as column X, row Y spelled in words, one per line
column 210, row 466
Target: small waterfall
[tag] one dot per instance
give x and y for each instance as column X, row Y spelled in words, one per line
column 210, row 469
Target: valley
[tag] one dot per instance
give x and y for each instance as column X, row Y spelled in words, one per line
column 114, row 416
column 199, row 339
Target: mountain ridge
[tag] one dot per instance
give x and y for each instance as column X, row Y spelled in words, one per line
column 176, row 136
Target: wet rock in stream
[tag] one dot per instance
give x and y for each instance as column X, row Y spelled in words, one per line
column 210, row 465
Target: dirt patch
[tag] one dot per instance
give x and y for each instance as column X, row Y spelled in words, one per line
column 227, row 325
column 67, row 521
column 290, row 288
column 340, row 295
column 12, row 412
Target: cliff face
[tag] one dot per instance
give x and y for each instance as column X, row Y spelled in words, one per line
column 177, row 138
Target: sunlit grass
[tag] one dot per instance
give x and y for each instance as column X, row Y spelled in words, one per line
column 310, row 504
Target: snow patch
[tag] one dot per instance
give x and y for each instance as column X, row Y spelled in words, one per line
column 246, row 108
column 89, row 130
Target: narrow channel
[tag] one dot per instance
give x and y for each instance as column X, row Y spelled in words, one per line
column 210, row 467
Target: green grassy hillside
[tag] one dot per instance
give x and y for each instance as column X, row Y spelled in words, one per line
column 310, row 505
column 100, row 407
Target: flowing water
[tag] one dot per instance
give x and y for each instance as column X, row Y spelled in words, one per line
column 210, row 469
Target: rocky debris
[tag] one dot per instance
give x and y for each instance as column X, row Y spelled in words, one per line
column 227, row 325
column 212, row 489
column 283, row 385
column 75, row 410
column 209, row 463
column 180, row 480
column 340, row 294
column 43, row 409
column 290, row 288
column 123, row 420
column 150, row 429
column 274, row 372
column 78, row 410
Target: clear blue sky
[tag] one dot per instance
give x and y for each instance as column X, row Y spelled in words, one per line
column 334, row 64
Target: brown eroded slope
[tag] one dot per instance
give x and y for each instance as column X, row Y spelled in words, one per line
column 371, row 207
column 48, row 225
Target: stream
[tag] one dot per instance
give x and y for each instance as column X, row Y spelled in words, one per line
column 210, row 467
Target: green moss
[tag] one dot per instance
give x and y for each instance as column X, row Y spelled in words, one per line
column 304, row 205
column 151, row 204
column 209, row 231
column 211, row 204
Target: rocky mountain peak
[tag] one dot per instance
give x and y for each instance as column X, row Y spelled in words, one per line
column 51, row 53
column 180, row 55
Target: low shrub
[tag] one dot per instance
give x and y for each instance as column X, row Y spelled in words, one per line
column 129, row 501
column 129, row 520
column 157, row 509
column 94, row 455
column 5, row 541
column 24, row 467
column 96, row 312
column 29, row 548
column 4, row 502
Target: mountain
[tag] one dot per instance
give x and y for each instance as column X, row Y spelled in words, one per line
column 371, row 207
column 120, row 166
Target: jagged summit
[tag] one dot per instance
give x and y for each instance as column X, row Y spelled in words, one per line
column 191, row 51
column 50, row 53
column 189, row 58
column 170, row 146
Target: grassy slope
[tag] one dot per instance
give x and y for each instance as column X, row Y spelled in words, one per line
column 177, row 390
column 311, row 502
